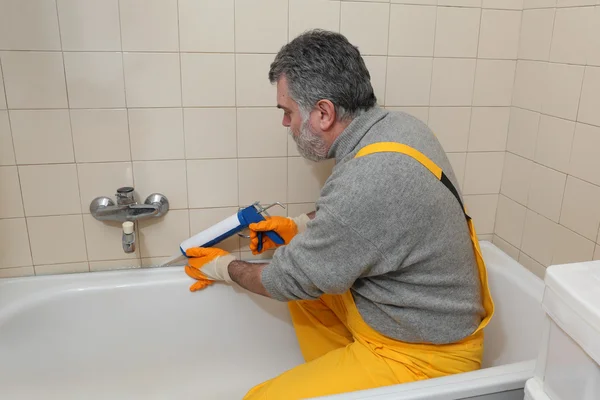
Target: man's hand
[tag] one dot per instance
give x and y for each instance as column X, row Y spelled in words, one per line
column 287, row 228
column 208, row 264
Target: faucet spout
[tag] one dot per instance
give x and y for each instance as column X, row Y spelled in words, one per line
column 128, row 237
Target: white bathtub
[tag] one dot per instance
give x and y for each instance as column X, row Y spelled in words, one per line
column 142, row 335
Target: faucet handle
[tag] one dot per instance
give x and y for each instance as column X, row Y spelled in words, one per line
column 125, row 195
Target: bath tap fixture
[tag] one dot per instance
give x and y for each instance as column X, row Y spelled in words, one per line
column 127, row 208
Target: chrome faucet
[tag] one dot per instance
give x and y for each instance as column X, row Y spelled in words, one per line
column 127, row 210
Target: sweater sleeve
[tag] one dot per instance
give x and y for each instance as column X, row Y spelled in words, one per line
column 326, row 259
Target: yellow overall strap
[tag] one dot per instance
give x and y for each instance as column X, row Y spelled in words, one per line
column 393, row 147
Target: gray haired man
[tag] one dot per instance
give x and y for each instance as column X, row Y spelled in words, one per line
column 385, row 281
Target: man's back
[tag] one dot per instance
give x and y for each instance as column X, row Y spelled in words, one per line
column 390, row 230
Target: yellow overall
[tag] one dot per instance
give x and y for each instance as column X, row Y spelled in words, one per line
column 344, row 354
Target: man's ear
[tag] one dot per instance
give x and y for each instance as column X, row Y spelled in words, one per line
column 327, row 115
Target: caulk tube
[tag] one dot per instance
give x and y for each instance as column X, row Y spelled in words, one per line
column 213, row 235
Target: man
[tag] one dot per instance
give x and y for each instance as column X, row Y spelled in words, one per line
column 385, row 282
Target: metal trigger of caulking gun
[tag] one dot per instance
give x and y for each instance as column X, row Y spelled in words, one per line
column 261, row 210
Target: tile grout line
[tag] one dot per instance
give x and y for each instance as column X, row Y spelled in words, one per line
column 17, row 168
column 187, row 205
column 127, row 108
column 235, row 70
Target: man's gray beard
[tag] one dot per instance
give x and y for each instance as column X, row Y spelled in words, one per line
column 309, row 144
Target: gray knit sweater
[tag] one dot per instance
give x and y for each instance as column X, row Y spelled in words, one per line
column 393, row 234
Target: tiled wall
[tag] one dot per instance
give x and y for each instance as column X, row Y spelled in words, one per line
column 172, row 96
column 549, row 206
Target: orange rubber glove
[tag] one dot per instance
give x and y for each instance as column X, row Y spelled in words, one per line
column 207, row 265
column 286, row 227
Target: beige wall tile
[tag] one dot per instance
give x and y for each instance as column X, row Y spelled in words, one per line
column 460, row 3
column 95, row 80
column 57, row 240
column 50, row 189
column 161, row 237
column 222, row 174
column 270, row 188
column 104, row 179
column 2, row 92
column 208, row 80
column 210, row 132
column 581, row 208
column 29, row 25
column 530, row 81
column 458, row 162
column 506, row 247
column 483, row 173
column 489, row 128
column 54, row 269
column 104, row 240
column 366, row 26
column 306, row 178
column 11, row 205
column 510, row 221
column 152, row 79
column 408, row 81
column 546, row 192
column 575, row 3
column 554, row 142
column 516, row 178
column 206, row 25
column 7, row 152
column 303, row 16
column 563, row 88
column 522, row 132
column 499, row 34
column 260, row 133
column 589, row 107
column 570, row 38
column 597, row 253
column 527, row 4
column 205, row 218
column 91, row 25
column 149, row 25
column 272, row 18
column 571, row 247
column 539, row 238
column 412, row 30
column 585, row 162
column 503, row 4
column 482, row 208
column 536, row 34
column 156, row 133
column 50, row 130
column 452, row 82
column 100, row 135
column 96, row 266
column 165, row 177
column 593, row 54
column 451, row 127
column 377, row 66
column 457, row 32
column 252, row 86
column 16, row 272
column 535, row 267
column 14, row 243
column 494, row 82
column 34, row 79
